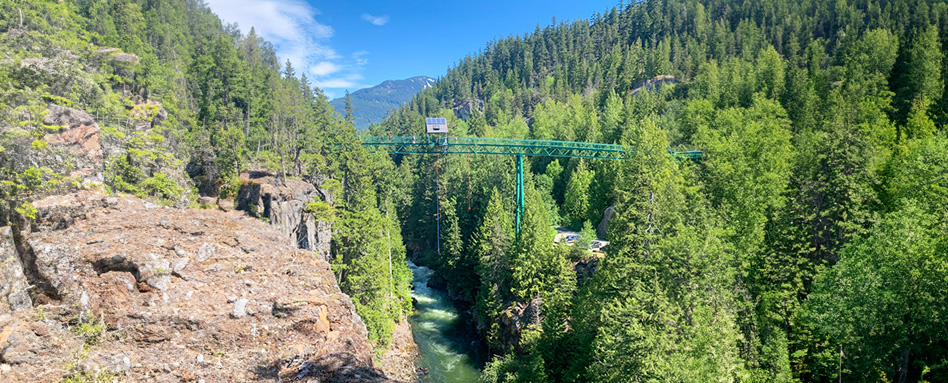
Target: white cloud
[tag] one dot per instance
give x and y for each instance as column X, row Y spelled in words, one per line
column 297, row 36
column 289, row 24
column 376, row 20
column 349, row 81
column 336, row 83
column 360, row 58
column 324, row 68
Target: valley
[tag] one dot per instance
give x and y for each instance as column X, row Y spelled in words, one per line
column 663, row 191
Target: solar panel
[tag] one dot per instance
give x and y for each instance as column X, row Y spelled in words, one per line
column 436, row 125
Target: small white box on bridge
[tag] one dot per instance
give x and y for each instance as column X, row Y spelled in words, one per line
column 436, row 125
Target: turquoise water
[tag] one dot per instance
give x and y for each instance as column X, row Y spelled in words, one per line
column 434, row 325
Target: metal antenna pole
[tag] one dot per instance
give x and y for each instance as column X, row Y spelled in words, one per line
column 438, row 200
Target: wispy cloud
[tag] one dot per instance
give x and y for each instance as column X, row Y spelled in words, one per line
column 289, row 24
column 360, row 58
column 297, row 36
column 376, row 20
column 334, row 79
column 324, row 68
column 349, row 81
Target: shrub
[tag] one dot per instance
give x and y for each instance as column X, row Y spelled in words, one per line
column 162, row 186
column 40, row 144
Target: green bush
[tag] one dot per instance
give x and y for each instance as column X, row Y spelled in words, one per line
column 90, row 330
column 122, row 176
column 58, row 100
column 230, row 187
column 40, row 144
column 27, row 210
column 321, row 210
column 163, row 187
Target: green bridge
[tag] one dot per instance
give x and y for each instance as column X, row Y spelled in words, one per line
column 432, row 144
column 505, row 146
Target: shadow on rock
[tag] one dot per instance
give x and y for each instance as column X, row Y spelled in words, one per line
column 335, row 367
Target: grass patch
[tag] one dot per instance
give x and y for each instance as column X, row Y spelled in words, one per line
column 89, row 330
column 98, row 376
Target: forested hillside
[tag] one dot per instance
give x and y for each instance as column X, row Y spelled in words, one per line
column 808, row 245
column 159, row 99
column 371, row 105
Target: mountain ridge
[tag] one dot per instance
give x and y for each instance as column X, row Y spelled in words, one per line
column 371, row 105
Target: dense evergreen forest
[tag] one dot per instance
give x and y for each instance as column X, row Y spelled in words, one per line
column 185, row 104
column 808, row 245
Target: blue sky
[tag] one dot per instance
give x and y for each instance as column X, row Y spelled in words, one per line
column 349, row 45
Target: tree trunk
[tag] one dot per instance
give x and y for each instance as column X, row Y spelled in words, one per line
column 391, row 275
column 903, row 369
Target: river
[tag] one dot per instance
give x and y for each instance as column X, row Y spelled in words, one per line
column 439, row 331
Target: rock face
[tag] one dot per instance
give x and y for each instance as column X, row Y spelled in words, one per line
column 586, row 268
column 263, row 195
column 517, row 318
column 169, row 295
column 79, row 134
column 465, row 109
column 603, row 228
column 398, row 362
column 656, row 82
column 14, row 287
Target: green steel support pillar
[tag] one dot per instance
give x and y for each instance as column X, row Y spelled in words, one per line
column 519, row 192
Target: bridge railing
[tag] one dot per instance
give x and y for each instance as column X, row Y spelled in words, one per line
column 506, row 146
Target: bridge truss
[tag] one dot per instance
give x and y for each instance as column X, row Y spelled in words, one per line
column 429, row 144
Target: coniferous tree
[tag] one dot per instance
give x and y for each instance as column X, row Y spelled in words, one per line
column 920, row 75
column 349, row 117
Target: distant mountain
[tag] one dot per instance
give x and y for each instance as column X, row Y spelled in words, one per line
column 370, row 105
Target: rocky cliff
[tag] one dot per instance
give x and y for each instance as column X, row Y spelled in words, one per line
column 283, row 204
column 114, row 287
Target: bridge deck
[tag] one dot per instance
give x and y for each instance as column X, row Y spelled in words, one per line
column 504, row 146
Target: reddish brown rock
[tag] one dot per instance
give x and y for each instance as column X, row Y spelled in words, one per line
column 160, row 285
column 79, row 134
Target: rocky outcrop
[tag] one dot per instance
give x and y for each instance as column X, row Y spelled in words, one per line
column 464, row 109
column 603, row 228
column 14, row 287
column 116, row 55
column 398, row 361
column 517, row 318
column 78, row 134
column 74, row 144
column 656, row 82
column 264, row 195
column 148, row 293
